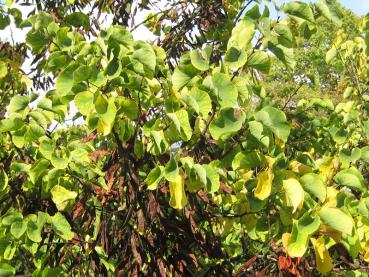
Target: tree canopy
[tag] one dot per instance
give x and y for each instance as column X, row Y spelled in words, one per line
column 186, row 159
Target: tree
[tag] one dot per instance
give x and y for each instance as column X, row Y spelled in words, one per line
column 313, row 76
column 183, row 164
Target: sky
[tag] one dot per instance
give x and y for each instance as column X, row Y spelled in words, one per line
column 360, row 7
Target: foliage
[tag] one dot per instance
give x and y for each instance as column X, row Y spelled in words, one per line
column 192, row 170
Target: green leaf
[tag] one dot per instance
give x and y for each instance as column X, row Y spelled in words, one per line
column 33, row 133
column 18, row 228
column 11, row 217
column 328, row 12
column 12, row 123
column 300, row 10
column 78, row 19
column 101, row 104
column 17, row 104
column 352, row 178
column 4, row 21
column 46, row 148
column 58, row 161
column 183, row 76
column 308, row 224
column 61, row 196
column 10, row 251
column 121, row 35
column 61, row 226
column 171, row 171
column 200, row 172
column 18, row 137
column 365, row 154
column 34, row 229
column 227, row 122
column 84, row 101
column 301, row 230
column 198, row 100
column 348, row 156
column 337, row 219
column 260, row 133
column 64, row 82
column 297, row 242
column 235, row 58
column 82, row 73
column 154, row 177
column 275, row 120
column 33, row 232
column 260, row 61
column 38, row 170
column 212, row 178
column 242, row 34
column 284, row 54
column 182, row 124
column 158, row 143
column 330, row 55
column 3, row 180
column 80, row 155
column 6, row 270
column 129, row 108
column 144, row 54
column 200, row 59
column 37, row 39
column 224, row 91
column 248, row 160
column 113, row 69
column 314, row 185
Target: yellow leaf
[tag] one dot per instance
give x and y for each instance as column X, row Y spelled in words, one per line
column 178, row 198
column 279, row 142
column 106, row 120
column 264, row 185
column 294, row 193
column 270, row 161
column 300, row 168
column 366, row 256
column 246, row 174
column 327, row 167
column 334, row 234
column 331, row 200
column 285, row 239
column 322, row 257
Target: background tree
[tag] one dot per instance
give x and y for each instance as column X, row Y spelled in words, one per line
column 312, row 76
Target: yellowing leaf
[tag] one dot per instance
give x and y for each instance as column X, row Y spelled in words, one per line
column 270, row 161
column 264, row 185
column 331, row 200
column 334, row 234
column 178, row 198
column 327, row 167
column 300, row 168
column 285, row 239
column 106, row 120
column 322, row 257
column 294, row 193
column 366, row 256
